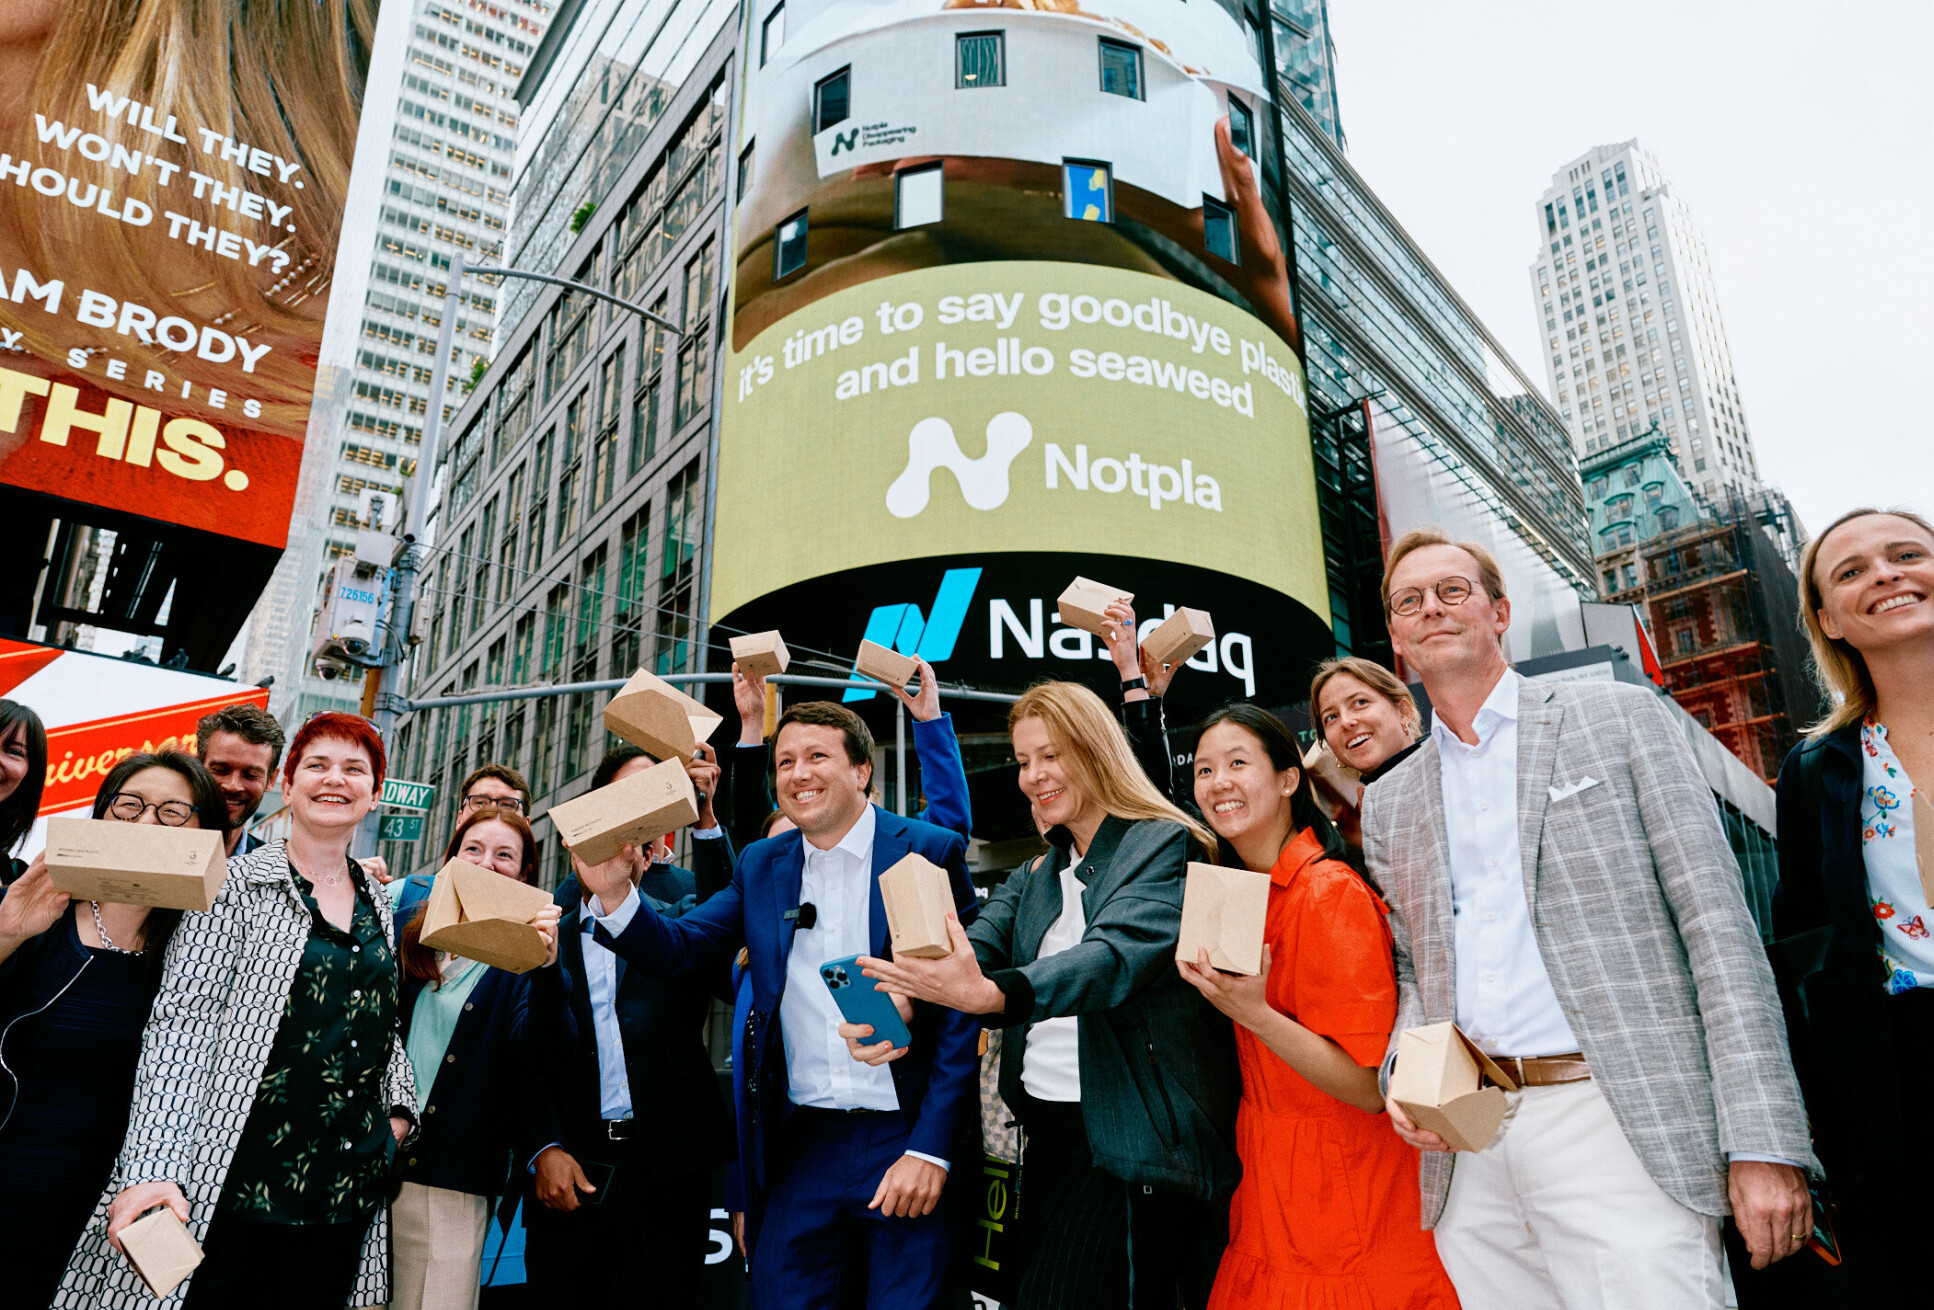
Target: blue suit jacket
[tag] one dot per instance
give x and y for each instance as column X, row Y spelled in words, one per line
column 937, row 1080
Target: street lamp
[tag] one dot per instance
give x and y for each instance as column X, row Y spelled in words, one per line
column 390, row 694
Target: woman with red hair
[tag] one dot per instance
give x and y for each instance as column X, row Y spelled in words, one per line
column 273, row 1088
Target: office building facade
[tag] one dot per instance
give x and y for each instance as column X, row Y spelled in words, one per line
column 569, row 519
column 1629, row 313
column 453, row 129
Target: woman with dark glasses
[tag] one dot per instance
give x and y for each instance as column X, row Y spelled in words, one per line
column 76, row 983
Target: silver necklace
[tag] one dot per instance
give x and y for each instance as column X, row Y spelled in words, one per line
column 107, row 942
column 328, row 879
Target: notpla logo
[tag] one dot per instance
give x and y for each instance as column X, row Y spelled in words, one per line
column 983, row 481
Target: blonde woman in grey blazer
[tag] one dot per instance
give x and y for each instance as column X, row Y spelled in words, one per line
column 221, row 1084
column 1560, row 886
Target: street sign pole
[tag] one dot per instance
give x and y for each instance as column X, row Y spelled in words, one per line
column 391, row 698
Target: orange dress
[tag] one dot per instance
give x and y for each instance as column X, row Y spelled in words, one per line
column 1327, row 1214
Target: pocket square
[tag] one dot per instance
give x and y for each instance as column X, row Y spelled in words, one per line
column 1572, row 789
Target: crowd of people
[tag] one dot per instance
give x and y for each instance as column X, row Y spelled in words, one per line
column 344, row 1116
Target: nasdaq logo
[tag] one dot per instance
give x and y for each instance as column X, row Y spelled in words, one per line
column 930, row 637
column 983, row 480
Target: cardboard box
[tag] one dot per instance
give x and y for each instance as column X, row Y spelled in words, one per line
column 481, row 915
column 1225, row 910
column 640, row 808
column 136, row 863
column 918, row 896
column 161, row 1249
column 760, row 654
column 889, row 666
column 658, row 718
column 1448, row 1086
column 1083, row 603
column 1181, row 635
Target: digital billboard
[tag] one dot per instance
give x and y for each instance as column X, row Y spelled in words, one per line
column 1009, row 304
column 171, row 189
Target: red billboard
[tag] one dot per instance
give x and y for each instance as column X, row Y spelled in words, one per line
column 170, row 199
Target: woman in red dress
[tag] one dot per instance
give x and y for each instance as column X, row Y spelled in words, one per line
column 1326, row 1216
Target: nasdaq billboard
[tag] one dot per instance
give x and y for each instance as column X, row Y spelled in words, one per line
column 1009, row 299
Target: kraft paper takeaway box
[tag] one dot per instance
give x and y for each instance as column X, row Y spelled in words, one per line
column 1181, row 635
column 658, row 718
column 1441, row 1082
column 161, row 1249
column 918, row 897
column 484, row 916
column 1084, row 604
column 760, row 654
column 889, row 666
column 642, row 807
column 136, row 863
column 1225, row 910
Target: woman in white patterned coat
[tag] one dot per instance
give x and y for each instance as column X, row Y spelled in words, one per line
column 272, row 1089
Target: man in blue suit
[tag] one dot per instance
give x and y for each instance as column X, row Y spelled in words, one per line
column 836, row 1157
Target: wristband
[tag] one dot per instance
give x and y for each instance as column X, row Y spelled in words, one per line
column 1134, row 684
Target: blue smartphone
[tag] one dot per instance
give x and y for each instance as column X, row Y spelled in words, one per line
column 855, row 995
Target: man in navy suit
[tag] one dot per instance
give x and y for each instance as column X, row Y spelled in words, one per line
column 837, row 1158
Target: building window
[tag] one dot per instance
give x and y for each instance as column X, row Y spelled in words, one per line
column 1611, row 576
column 789, row 246
column 1631, row 576
column 694, row 378
column 918, row 196
column 1087, row 192
column 1242, row 128
column 1219, row 230
column 745, row 170
column 832, row 99
column 773, row 34
column 1121, row 69
column 980, row 59
column 604, row 448
column 1668, row 518
column 678, row 569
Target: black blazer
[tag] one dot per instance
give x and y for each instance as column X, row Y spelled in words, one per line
column 468, row 1114
column 1826, row 953
column 675, row 1094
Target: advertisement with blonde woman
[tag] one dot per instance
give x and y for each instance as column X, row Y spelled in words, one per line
column 172, row 176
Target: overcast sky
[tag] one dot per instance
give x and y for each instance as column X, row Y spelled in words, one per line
column 1799, row 135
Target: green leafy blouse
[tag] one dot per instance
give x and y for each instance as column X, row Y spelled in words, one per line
column 317, row 1146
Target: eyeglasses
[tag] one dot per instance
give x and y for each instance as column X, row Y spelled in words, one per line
column 1452, row 592
column 128, row 808
column 515, row 804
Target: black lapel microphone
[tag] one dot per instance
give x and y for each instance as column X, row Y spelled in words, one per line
column 804, row 917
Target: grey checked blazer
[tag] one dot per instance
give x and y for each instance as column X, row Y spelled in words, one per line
column 224, row 986
column 1640, row 916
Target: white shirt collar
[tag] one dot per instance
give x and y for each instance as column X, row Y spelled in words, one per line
column 1500, row 706
column 858, row 841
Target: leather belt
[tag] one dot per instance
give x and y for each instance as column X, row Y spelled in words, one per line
column 1544, row 1070
column 619, row 1130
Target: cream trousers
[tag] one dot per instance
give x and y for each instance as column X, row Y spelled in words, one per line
column 438, row 1237
column 1558, row 1212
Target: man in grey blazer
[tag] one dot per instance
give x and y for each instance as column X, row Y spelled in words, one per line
column 1560, row 886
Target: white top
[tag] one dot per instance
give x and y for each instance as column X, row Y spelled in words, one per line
column 821, row 1071
column 601, row 980
column 1051, row 1062
column 1893, row 871
column 1505, row 1002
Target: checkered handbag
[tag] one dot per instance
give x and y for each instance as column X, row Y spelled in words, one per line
column 1001, row 1137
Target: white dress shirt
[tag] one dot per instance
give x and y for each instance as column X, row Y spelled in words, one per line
column 601, row 978
column 820, row 1071
column 1051, row 1062
column 1505, row 1002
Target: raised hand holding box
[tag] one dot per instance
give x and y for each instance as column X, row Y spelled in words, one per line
column 890, row 667
column 918, row 896
column 761, row 654
column 136, row 863
column 1181, row 635
column 1085, row 604
column 658, row 718
column 642, row 807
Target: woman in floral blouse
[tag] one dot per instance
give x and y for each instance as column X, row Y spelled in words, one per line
column 1857, row 885
column 272, row 1089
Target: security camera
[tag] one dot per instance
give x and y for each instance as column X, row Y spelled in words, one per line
column 356, row 646
column 329, row 667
